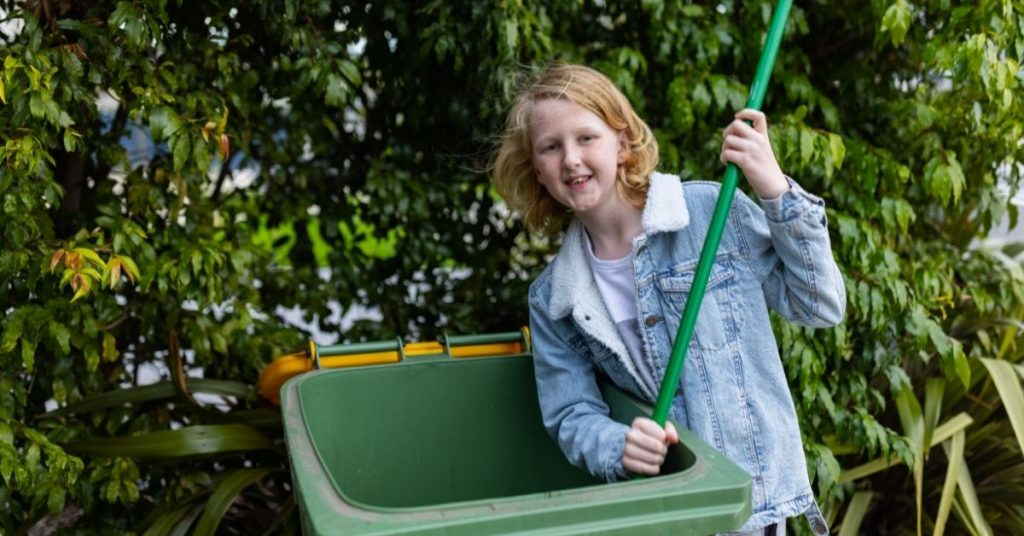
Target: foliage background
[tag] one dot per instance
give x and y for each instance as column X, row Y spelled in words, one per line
column 316, row 152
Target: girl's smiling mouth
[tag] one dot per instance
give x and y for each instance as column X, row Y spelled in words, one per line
column 578, row 181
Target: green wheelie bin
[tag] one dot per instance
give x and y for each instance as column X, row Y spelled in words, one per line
column 444, row 446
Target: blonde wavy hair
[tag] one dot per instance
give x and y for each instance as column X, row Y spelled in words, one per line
column 513, row 173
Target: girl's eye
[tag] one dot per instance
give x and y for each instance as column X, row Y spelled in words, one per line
column 586, row 138
column 550, row 147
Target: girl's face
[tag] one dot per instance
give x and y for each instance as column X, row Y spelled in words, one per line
column 576, row 156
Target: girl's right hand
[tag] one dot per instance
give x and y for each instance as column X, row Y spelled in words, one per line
column 646, row 446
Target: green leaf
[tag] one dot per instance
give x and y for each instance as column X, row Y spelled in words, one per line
column 680, row 109
column 897, row 21
column 177, row 521
column 692, row 11
column 701, row 98
column 12, row 332
column 55, row 499
column 511, row 34
column 53, row 113
column 201, row 155
column 6, row 436
column 7, row 456
column 60, row 391
column 165, row 522
column 36, row 107
column 192, row 441
column 156, row 391
column 336, row 93
column 92, row 358
column 837, row 148
column 957, row 180
column 70, row 143
column 224, row 495
column 960, row 365
column 61, row 335
column 28, row 353
column 181, row 147
column 934, row 388
column 720, row 89
column 806, row 145
column 163, row 123
column 196, row 258
column 944, row 178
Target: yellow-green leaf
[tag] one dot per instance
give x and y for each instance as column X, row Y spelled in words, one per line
column 855, row 513
column 130, row 267
column 973, row 517
column 934, row 389
column 93, row 274
column 913, row 423
column 956, row 461
column 1005, row 378
column 90, row 255
column 109, row 347
column 114, row 268
column 942, row 432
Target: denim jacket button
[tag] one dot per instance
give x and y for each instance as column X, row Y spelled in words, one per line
column 651, row 321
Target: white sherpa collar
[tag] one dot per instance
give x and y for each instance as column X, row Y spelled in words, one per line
column 571, row 278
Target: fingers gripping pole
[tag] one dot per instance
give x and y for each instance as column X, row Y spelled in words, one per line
column 707, row 255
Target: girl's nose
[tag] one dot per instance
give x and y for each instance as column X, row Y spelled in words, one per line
column 572, row 158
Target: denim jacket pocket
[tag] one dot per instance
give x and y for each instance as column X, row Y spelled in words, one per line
column 711, row 332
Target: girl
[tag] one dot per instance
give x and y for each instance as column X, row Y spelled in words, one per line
column 611, row 300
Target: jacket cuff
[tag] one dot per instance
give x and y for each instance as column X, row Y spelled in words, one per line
column 614, row 471
column 791, row 204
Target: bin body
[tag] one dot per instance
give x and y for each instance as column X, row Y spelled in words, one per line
column 456, row 447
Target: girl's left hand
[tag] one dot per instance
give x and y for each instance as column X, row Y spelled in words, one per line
column 749, row 148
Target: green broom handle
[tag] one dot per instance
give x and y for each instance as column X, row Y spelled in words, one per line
column 707, row 254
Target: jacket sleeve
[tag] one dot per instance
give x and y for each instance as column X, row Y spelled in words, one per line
column 790, row 251
column 571, row 405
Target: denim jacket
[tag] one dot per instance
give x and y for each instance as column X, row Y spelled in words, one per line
column 733, row 391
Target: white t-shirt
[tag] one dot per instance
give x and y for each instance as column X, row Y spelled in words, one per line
column 618, row 290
